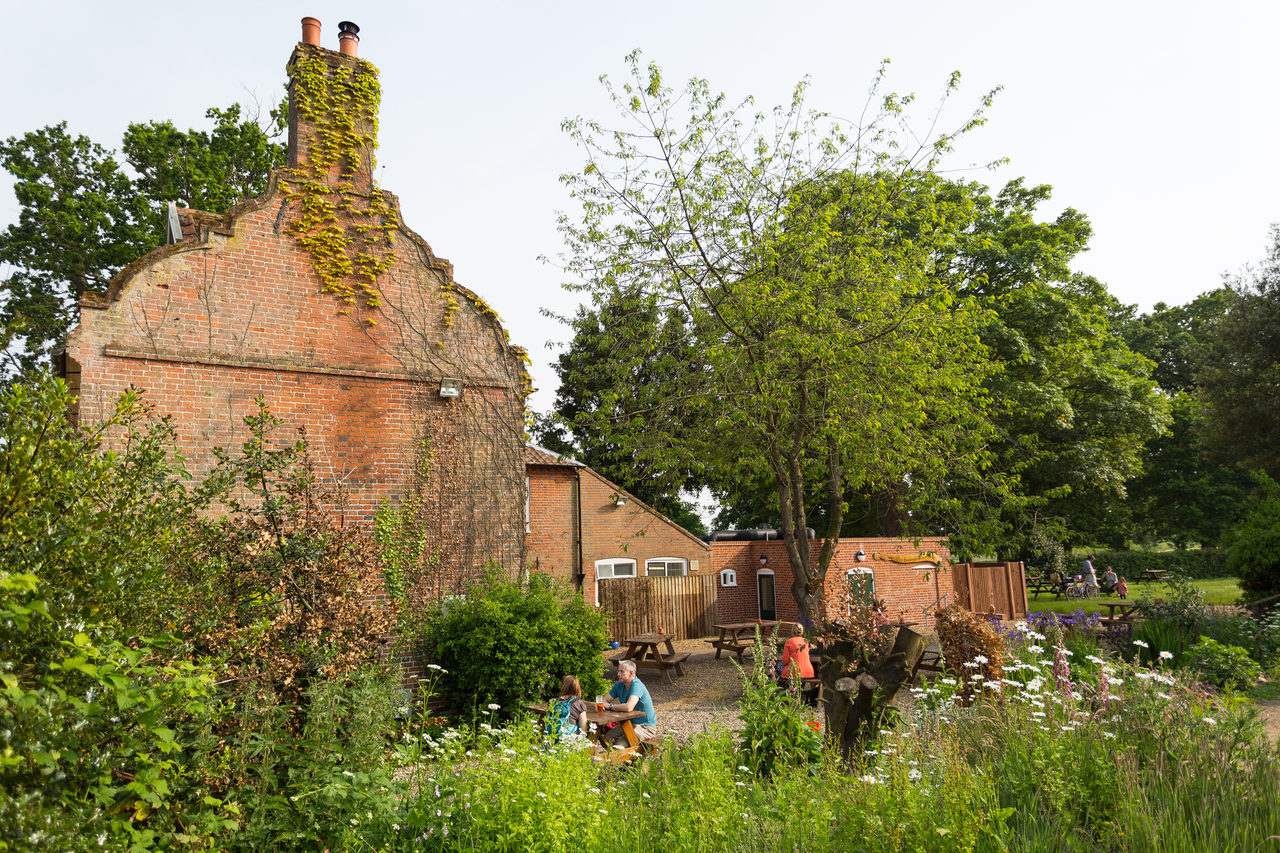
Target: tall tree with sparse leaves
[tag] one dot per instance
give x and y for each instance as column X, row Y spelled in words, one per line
column 828, row 348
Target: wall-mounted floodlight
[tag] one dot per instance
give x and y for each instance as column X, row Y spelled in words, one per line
column 860, row 556
column 451, row 387
column 764, row 559
column 618, row 499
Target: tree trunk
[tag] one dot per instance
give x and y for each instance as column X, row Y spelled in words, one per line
column 859, row 692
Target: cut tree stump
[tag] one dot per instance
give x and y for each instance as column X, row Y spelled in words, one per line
column 860, row 692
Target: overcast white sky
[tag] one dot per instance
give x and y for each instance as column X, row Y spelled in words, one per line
column 1157, row 119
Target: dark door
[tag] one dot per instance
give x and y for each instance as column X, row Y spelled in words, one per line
column 768, row 608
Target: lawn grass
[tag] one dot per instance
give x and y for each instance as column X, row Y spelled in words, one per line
column 1216, row 591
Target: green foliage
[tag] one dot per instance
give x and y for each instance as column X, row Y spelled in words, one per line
column 510, row 642
column 100, row 739
column 798, row 259
column 93, row 524
column 1238, row 369
column 1224, row 665
column 81, row 218
column 1255, row 549
column 400, row 532
column 205, row 169
column 776, row 731
column 1193, row 563
column 315, row 786
column 1183, row 495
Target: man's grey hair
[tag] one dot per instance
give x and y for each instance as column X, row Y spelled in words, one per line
column 628, row 665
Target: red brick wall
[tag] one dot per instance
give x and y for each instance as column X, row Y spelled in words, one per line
column 551, row 540
column 632, row 531
column 905, row 590
column 204, row 326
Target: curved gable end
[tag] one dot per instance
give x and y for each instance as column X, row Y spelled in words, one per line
column 346, row 323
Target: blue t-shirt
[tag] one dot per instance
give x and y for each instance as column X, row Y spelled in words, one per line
column 622, row 695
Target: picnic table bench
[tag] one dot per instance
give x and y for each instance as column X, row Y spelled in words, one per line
column 653, row 651
column 1152, row 575
column 738, row 637
column 602, row 719
column 1039, row 585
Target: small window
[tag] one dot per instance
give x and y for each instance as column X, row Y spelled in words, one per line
column 666, row 566
column 728, row 577
column 615, row 568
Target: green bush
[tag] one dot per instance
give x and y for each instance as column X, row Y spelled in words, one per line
column 510, row 642
column 775, row 729
column 1226, row 666
column 1196, row 563
column 1255, row 549
column 100, row 739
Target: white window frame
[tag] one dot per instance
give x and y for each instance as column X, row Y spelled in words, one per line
column 759, row 603
column 612, row 565
column 728, row 577
column 666, row 567
column 527, row 527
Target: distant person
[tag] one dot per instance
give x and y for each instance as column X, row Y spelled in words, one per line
column 1090, row 581
column 1122, row 589
column 1109, row 580
column 629, row 694
column 1088, row 565
column 567, row 713
column 795, row 655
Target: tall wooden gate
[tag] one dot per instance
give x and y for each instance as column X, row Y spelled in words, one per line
column 684, row 607
column 999, row 588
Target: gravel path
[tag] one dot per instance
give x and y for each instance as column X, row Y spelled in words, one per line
column 705, row 697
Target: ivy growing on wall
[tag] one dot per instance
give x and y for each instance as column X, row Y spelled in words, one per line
column 348, row 234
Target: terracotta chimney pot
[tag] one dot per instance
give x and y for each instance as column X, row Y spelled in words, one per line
column 311, row 31
column 348, row 38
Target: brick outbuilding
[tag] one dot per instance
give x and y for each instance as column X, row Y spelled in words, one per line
column 911, row 577
column 393, row 373
column 586, row 530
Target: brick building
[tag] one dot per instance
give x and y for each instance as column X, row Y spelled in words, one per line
column 912, row 578
column 588, row 531
column 393, row 372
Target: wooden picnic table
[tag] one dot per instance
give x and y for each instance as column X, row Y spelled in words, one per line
column 737, row 637
column 1152, row 575
column 653, row 651
column 1126, row 609
column 1039, row 585
column 603, row 719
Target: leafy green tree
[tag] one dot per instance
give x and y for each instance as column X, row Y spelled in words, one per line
column 82, row 217
column 826, row 345
column 625, row 358
column 80, row 220
column 1255, row 549
column 1239, row 370
column 1183, row 495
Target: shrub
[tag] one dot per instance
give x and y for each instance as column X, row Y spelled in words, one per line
column 966, row 638
column 99, row 738
column 510, row 642
column 1196, row 563
column 280, row 588
column 1226, row 666
column 1255, row 551
column 775, row 729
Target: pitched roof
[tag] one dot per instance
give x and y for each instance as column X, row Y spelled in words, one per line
column 535, row 455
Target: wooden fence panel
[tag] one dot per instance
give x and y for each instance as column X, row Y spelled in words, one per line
column 684, row 607
column 992, row 588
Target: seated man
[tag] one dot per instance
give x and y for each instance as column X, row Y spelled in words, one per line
column 629, row 694
column 1109, row 580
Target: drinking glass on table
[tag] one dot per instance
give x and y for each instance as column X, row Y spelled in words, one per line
column 599, row 704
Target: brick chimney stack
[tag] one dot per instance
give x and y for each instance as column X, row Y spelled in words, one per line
column 332, row 102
